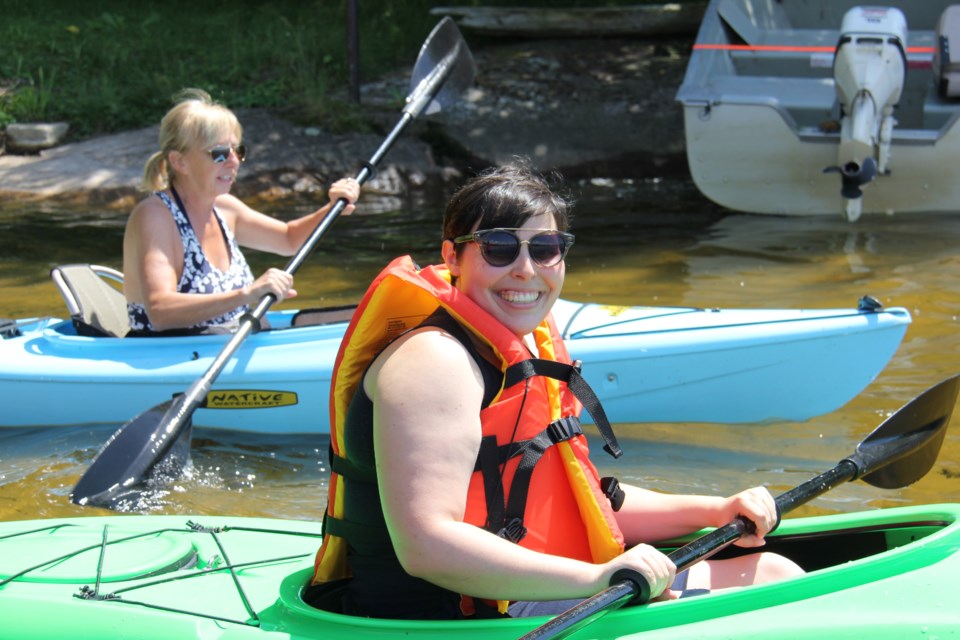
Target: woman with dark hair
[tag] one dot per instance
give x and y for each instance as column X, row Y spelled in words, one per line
column 462, row 484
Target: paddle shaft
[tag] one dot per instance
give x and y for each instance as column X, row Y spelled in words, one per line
column 197, row 392
column 710, row 543
column 144, row 441
column 443, row 70
column 423, row 94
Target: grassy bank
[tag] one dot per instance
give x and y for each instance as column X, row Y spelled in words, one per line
column 113, row 65
column 110, row 65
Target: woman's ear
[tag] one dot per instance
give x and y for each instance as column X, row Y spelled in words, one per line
column 177, row 162
column 449, row 252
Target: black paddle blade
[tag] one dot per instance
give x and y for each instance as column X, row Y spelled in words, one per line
column 127, row 460
column 443, row 70
column 905, row 447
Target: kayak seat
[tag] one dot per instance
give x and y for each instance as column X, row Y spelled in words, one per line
column 323, row 315
column 97, row 308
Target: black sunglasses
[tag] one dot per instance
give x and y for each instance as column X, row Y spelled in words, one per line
column 500, row 247
column 220, row 153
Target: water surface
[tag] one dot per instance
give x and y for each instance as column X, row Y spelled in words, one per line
column 653, row 242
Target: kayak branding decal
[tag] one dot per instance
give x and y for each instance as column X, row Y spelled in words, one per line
column 249, row 399
column 615, row 309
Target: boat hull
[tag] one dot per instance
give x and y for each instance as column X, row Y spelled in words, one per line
column 762, row 117
column 784, row 175
column 646, row 364
column 879, row 574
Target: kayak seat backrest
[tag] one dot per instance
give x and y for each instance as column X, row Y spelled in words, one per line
column 323, row 315
column 96, row 307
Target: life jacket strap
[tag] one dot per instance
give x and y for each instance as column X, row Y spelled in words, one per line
column 506, row 520
column 489, row 459
column 570, row 374
column 356, row 532
column 347, row 529
column 347, row 469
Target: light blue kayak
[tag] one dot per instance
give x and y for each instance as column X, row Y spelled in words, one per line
column 646, row 364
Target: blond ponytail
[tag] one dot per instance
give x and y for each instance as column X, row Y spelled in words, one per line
column 155, row 176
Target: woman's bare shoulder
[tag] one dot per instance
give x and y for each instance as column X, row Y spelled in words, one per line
column 151, row 216
column 428, row 346
column 148, row 207
column 429, row 357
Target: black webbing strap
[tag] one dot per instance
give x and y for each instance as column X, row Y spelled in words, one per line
column 557, row 431
column 577, row 385
column 507, row 520
column 343, row 467
column 488, row 464
column 357, row 533
column 347, row 529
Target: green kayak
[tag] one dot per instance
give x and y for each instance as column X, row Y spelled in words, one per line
column 878, row 574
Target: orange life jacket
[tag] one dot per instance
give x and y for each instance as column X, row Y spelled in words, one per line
column 532, row 422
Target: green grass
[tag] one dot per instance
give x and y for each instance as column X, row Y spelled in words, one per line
column 112, row 65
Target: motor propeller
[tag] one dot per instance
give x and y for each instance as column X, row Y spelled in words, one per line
column 853, row 176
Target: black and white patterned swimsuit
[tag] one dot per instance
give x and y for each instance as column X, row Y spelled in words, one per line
column 199, row 276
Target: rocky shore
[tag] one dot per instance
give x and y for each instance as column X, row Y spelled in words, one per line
column 588, row 107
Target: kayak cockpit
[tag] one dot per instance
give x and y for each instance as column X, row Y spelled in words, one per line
column 848, row 552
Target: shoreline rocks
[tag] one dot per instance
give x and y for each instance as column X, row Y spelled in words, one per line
column 587, row 107
column 35, row 137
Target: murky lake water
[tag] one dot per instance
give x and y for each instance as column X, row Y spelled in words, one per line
column 643, row 243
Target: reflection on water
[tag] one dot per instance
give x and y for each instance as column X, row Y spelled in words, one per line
column 644, row 242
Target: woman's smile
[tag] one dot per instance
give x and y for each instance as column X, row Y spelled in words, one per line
column 514, row 296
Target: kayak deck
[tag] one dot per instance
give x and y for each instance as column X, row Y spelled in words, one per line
column 873, row 574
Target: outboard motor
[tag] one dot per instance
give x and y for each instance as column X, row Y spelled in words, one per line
column 869, row 66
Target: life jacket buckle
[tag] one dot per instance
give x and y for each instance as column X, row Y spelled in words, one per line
column 514, row 531
column 611, row 488
column 563, row 429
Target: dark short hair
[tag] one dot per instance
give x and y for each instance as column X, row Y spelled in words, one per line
column 505, row 196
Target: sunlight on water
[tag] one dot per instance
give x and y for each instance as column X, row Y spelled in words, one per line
column 644, row 243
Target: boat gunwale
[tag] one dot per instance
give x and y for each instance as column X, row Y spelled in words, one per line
column 895, row 317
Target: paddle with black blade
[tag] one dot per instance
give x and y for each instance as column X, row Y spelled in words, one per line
column 897, row 453
column 443, row 70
